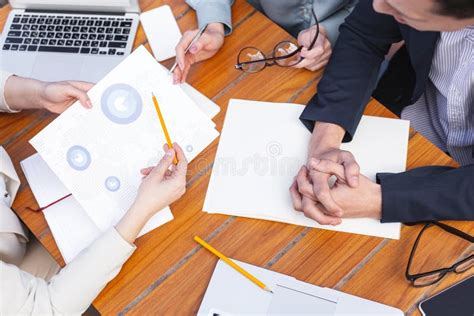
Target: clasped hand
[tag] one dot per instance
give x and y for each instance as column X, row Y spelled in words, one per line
column 352, row 195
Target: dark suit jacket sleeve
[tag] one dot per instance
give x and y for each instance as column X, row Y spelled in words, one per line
column 351, row 74
column 428, row 194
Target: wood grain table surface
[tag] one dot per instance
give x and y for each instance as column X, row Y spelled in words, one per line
column 169, row 272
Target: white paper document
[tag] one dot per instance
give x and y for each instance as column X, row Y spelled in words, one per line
column 296, row 297
column 70, row 225
column 230, row 293
column 98, row 153
column 162, row 31
column 261, row 149
column 205, row 104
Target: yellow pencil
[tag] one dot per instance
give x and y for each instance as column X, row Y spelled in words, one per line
column 232, row 264
column 163, row 125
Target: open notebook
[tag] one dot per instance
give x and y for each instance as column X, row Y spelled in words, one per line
column 261, row 149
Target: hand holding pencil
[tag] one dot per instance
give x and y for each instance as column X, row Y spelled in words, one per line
column 162, row 184
column 195, row 46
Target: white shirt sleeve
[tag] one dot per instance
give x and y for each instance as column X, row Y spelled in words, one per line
column 73, row 289
column 3, row 103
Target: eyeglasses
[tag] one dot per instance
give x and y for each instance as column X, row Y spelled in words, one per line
column 429, row 278
column 285, row 54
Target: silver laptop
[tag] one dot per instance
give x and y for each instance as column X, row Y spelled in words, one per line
column 54, row 40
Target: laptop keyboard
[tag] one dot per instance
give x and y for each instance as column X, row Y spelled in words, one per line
column 68, row 34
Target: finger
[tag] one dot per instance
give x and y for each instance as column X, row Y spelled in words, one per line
column 329, row 167
column 187, row 67
column 185, row 40
column 177, row 75
column 82, row 85
column 351, row 168
column 296, row 197
column 197, row 46
column 80, row 95
column 315, row 54
column 303, row 63
column 319, row 65
column 304, row 38
column 164, row 163
column 304, row 186
column 323, row 194
column 182, row 166
column 312, row 211
column 146, row 171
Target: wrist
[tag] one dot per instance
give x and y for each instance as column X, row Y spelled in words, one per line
column 216, row 27
column 140, row 212
column 376, row 207
column 325, row 136
column 23, row 93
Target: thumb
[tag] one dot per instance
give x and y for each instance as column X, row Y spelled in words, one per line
column 164, row 164
column 196, row 47
column 80, row 95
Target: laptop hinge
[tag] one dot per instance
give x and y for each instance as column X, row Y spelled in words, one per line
column 75, row 12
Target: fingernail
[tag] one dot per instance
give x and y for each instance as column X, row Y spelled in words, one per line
column 89, row 104
column 169, row 152
column 193, row 49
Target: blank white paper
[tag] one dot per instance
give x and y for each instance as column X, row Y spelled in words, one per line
column 261, row 149
column 162, row 31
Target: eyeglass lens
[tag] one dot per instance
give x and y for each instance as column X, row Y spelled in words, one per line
column 431, row 254
column 251, row 54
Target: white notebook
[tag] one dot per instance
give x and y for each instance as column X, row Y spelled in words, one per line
column 261, row 149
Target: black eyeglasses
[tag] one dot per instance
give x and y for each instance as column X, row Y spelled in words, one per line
column 429, row 278
column 285, row 54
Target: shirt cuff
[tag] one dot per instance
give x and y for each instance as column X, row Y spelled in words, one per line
column 3, row 103
column 214, row 12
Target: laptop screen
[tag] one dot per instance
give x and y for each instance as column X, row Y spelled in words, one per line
column 78, row 5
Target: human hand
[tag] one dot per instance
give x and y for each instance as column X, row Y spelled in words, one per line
column 365, row 200
column 311, row 185
column 162, row 184
column 56, row 97
column 318, row 56
column 307, row 203
column 206, row 46
column 24, row 93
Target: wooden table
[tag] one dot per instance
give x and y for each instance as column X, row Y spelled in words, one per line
column 169, row 272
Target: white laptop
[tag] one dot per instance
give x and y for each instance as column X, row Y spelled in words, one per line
column 56, row 40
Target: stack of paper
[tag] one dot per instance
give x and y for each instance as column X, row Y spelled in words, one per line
column 229, row 293
column 97, row 154
column 261, row 149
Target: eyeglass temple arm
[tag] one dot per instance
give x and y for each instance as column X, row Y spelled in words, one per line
column 454, row 231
